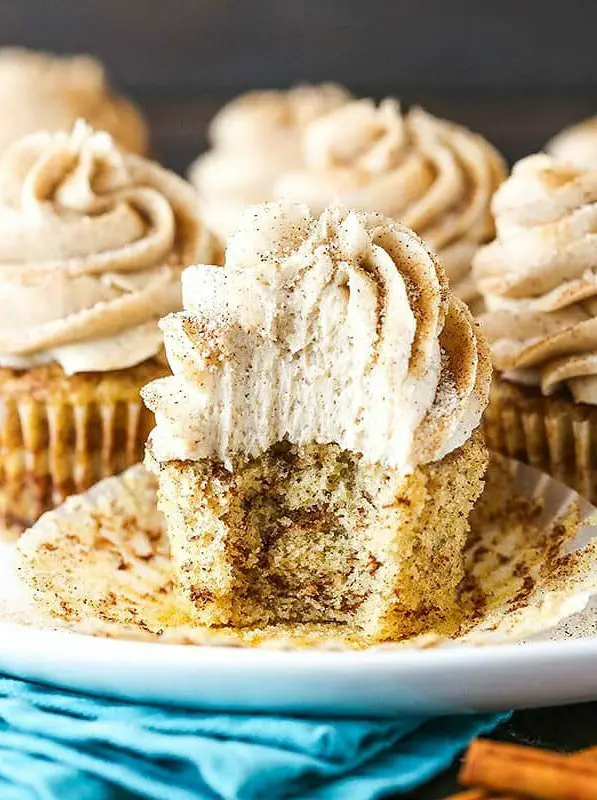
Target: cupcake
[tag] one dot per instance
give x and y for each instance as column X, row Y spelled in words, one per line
column 39, row 91
column 254, row 139
column 577, row 144
column 539, row 282
column 317, row 448
column 92, row 244
column 436, row 177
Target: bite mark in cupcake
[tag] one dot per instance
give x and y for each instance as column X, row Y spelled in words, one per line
column 320, row 422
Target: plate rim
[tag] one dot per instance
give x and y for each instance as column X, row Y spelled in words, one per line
column 88, row 647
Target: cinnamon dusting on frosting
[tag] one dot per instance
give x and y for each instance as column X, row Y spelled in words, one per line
column 339, row 329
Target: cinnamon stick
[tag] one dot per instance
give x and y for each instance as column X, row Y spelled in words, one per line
column 479, row 794
column 590, row 752
column 530, row 771
column 469, row 794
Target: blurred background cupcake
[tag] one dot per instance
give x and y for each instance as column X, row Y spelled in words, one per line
column 254, row 139
column 92, row 243
column 39, row 91
column 436, row 177
column 539, row 284
column 577, row 144
column 184, row 63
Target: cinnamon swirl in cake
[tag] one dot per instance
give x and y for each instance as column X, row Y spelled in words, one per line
column 317, row 446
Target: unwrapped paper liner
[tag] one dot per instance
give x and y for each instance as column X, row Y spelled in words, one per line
column 99, row 565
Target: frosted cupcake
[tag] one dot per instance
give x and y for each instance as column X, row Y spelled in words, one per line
column 317, row 447
column 577, row 144
column 253, row 140
column 436, row 177
column 539, row 282
column 92, row 244
column 39, row 92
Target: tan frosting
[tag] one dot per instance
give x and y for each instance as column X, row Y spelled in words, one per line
column 434, row 176
column 577, row 144
column 92, row 244
column 39, row 92
column 539, row 277
column 340, row 330
column 254, row 139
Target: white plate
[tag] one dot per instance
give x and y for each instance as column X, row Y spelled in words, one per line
column 457, row 679
column 374, row 683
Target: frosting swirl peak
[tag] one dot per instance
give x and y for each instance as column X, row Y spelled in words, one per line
column 539, row 277
column 340, row 330
column 432, row 175
column 92, row 244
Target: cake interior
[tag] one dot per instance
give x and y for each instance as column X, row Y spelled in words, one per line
column 314, row 534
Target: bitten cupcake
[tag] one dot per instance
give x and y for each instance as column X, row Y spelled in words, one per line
column 254, row 139
column 539, row 282
column 434, row 176
column 577, row 144
column 92, row 244
column 41, row 92
column 318, row 448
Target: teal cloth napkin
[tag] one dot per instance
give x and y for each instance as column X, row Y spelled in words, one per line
column 56, row 745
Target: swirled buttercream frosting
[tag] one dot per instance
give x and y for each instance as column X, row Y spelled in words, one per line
column 434, row 176
column 539, row 278
column 577, row 144
column 41, row 92
column 92, row 245
column 333, row 330
column 254, row 139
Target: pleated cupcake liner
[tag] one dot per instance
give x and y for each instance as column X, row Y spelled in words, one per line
column 555, row 435
column 50, row 450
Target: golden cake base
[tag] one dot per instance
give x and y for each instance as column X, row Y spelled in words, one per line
column 314, row 535
column 60, row 434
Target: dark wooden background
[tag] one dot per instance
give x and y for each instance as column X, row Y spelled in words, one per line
column 515, row 70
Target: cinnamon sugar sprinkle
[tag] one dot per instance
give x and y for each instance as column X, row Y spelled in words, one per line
column 100, row 566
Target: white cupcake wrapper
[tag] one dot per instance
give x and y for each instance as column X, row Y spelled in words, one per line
column 141, row 601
